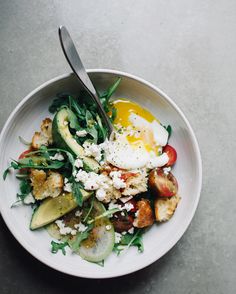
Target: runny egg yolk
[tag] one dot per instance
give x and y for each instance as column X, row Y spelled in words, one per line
column 143, row 135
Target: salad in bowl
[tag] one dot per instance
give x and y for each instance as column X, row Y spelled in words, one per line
column 96, row 194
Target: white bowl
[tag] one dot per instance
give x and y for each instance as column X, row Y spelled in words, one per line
column 25, row 120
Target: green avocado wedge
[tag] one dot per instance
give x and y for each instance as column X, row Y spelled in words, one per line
column 63, row 138
column 53, row 208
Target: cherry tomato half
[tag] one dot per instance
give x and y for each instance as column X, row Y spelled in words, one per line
column 172, row 154
column 24, row 154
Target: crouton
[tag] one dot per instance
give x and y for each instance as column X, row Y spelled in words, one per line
column 165, row 208
column 135, row 184
column 46, row 184
column 144, row 214
column 45, row 136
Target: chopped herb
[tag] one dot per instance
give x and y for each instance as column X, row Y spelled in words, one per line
column 58, row 246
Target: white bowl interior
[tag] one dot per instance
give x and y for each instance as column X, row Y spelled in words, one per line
column 26, row 119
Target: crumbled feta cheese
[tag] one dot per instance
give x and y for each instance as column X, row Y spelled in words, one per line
column 125, row 199
column 81, row 133
column 108, row 227
column 92, row 150
column 78, row 213
column 101, row 194
column 73, row 232
column 131, row 231
column 81, row 176
column 128, row 206
column 118, row 183
column 29, row 199
column 78, row 163
column 166, row 170
column 57, row 156
column 117, row 237
column 81, row 227
column 65, row 122
column 67, row 187
column 62, row 228
column 122, row 213
column 124, row 233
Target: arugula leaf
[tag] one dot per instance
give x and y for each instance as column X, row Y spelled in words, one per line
column 61, row 100
column 58, row 246
column 76, row 190
column 25, row 189
column 6, row 172
column 89, row 211
column 169, row 130
column 113, row 113
column 75, row 244
column 107, row 94
column 102, row 131
column 108, row 213
column 128, row 240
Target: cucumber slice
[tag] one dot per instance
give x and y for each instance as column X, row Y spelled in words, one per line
column 100, row 241
column 52, row 208
column 63, row 138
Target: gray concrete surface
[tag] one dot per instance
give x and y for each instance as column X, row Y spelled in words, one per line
column 188, row 49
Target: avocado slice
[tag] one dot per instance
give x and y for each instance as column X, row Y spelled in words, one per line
column 53, row 208
column 63, row 138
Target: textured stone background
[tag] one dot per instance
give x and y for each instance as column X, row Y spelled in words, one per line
column 185, row 47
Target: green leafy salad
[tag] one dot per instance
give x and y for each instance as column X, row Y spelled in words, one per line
column 95, row 194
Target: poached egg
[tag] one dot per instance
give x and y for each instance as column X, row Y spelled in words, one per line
column 138, row 140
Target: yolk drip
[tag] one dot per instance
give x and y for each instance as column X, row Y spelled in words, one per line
column 145, row 136
column 125, row 108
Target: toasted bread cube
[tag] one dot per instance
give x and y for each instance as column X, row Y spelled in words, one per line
column 165, row 208
column 144, row 214
column 46, row 185
column 45, row 136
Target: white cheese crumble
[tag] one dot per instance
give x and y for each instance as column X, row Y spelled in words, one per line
column 125, row 199
column 108, row 227
column 67, row 186
column 101, row 194
column 128, row 206
column 81, row 133
column 65, row 123
column 78, row 213
column 118, row 183
column 131, row 231
column 117, row 237
column 78, row 163
column 92, row 150
column 62, row 228
column 58, row 156
column 81, row 227
column 29, row 199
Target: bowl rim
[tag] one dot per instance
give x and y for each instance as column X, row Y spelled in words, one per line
column 181, row 231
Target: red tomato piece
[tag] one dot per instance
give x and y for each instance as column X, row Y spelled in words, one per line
column 172, row 154
column 24, row 154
